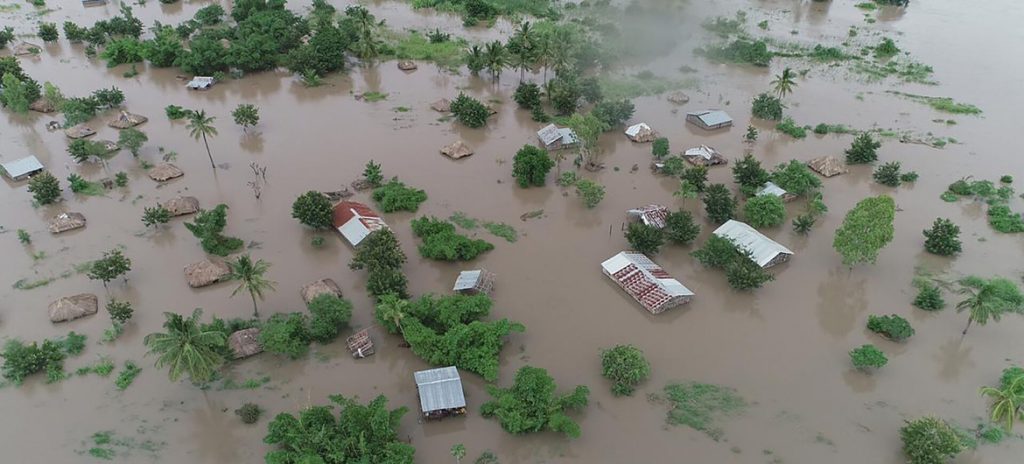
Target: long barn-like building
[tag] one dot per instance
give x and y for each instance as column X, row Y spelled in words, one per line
column 646, row 281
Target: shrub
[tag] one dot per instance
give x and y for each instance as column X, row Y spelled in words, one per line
column 795, row 177
column 929, row 298
column 314, row 209
column 45, row 188
column 719, row 203
column 908, row 177
column 567, row 179
column 660, row 147
column 1002, row 219
column 888, row 174
column 527, row 95
column 802, row 223
column 673, row 166
column 531, row 165
column 740, row 51
column 74, row 32
column 788, row 126
column 373, row 174
column 24, row 237
column 285, row 334
column 744, row 274
column 626, row 367
column 330, row 314
column 681, row 228
column 121, row 51
column 164, row 49
column 175, row 112
column 440, row 241
column 107, row 98
column 22, row 360
column 249, row 412
column 132, row 139
column 395, row 196
column 48, row 32
column 893, row 327
column 863, row 150
column 613, row 113
column 469, row 111
column 867, row 356
column 209, row 15
column 695, row 178
column 751, row 135
column 943, row 238
column 120, row 311
column 591, row 192
column 207, row 227
column 127, row 375
column 767, row 107
column 886, row 49
column 530, row 404
column 765, row 211
column 644, row 238
column 155, row 216
column 717, row 252
column 929, row 440
column 1006, row 179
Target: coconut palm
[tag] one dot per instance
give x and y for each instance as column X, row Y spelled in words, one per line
column 988, row 299
column 1008, row 403
column 562, row 49
column 391, row 308
column 249, row 275
column 496, row 61
column 201, row 126
column 366, row 27
column 542, row 53
column 186, row 348
column 475, row 59
column 785, row 82
column 524, row 43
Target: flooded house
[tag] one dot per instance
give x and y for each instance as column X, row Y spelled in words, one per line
column 440, row 392
column 475, row 282
column 200, row 83
column 771, row 188
column 704, row 155
column 763, row 250
column 553, row 137
column 21, row 169
column 651, row 215
column 646, row 281
column 827, row 166
column 641, row 133
column 355, row 221
column 709, row 119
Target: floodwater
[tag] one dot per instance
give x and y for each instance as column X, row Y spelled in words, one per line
column 784, row 347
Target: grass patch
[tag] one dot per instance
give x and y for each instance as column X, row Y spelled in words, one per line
column 248, row 384
column 822, row 129
column 127, row 375
column 500, row 229
column 944, row 104
column 789, row 127
column 401, row 109
column 106, row 445
column 740, row 51
column 1002, row 219
column 415, row 46
column 460, row 219
column 701, row 405
column 102, row 368
column 907, row 71
column 374, row 97
column 9, row 7
column 724, row 27
column 616, row 88
column 867, row 6
column 25, row 284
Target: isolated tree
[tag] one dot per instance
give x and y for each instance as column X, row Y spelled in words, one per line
column 527, row 95
column 943, row 238
column 749, row 174
column 112, row 265
column 680, row 227
column 863, row 150
column 888, row 174
column 930, row 440
column 495, row 59
column 588, row 129
column 591, row 192
column 458, row 452
column 469, row 111
column 246, row 115
column 988, row 299
column 45, row 188
column 187, row 347
column 784, row 83
column 155, row 216
column 530, row 404
column 1007, row 401
column 767, row 107
column 866, row 229
column 626, row 367
column 120, row 311
column 719, row 203
column 613, row 113
column 531, row 165
column 314, row 209
column 660, row 147
column 868, row 356
column 367, row 44
column 250, row 277
column 475, row 59
column 644, row 238
column 201, row 126
column 132, row 139
column 372, row 173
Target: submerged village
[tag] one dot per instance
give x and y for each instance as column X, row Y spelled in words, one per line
column 496, row 231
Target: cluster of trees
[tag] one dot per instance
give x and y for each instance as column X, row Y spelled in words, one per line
column 441, row 242
column 382, row 257
column 156, row 215
column 740, row 269
column 863, row 150
column 314, row 209
column 531, row 404
column 22, row 360
column 890, row 174
column 45, row 188
column 866, row 229
column 20, row 90
column 680, row 228
column 290, row 334
column 943, row 238
column 469, row 111
column 395, row 196
column 626, row 367
column 208, row 225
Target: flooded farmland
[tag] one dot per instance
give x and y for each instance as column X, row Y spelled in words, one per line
column 783, row 348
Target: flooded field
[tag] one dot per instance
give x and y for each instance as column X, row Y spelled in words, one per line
column 783, row 348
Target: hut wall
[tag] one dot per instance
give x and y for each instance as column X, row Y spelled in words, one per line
column 778, row 259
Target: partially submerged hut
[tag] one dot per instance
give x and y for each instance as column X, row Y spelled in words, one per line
column 73, row 307
column 21, row 169
column 641, row 133
column 164, row 172
column 827, row 166
column 406, row 65
column 554, row 138
column 475, row 282
column 320, row 287
column 646, row 282
column 245, row 343
column 125, row 120
column 443, row 105
column 200, row 83
column 440, row 392
column 66, row 221
column 42, row 105
column 652, row 215
column 206, row 272
column 771, row 188
column 704, row 156
column 355, row 221
column 25, row 48
column 678, row 98
column 763, row 250
column 709, row 119
column 79, row 131
column 180, row 206
column 457, row 149
column 360, row 344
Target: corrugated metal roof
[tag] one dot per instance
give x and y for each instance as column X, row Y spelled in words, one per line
column 702, row 151
column 771, row 189
column 22, row 167
column 355, row 221
column 712, row 117
column 568, row 136
column 762, row 248
column 440, row 389
column 200, row 82
column 644, row 280
column 635, row 129
column 652, row 215
column 549, row 134
column 467, row 280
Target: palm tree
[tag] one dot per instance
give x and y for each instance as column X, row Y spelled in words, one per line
column 785, row 82
column 1008, row 404
column 201, row 125
column 366, row 27
column 249, row 275
column 393, row 309
column 988, row 299
column 475, row 59
column 496, row 61
column 542, row 53
column 562, row 51
column 187, row 348
column 523, row 36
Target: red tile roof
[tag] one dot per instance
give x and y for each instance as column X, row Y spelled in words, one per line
column 347, row 210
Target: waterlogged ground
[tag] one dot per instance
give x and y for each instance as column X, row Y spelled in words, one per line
column 783, row 348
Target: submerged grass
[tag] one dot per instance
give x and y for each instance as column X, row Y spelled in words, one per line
column 416, row 46
column 500, row 229
column 944, row 104
column 615, row 88
column 374, row 97
column 701, row 405
column 248, row 384
column 127, row 375
column 460, row 219
column 102, row 368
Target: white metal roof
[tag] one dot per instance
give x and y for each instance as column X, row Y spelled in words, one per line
column 770, row 188
column 440, row 388
column 467, row 280
column 762, row 248
column 652, row 271
column 200, row 82
column 22, row 167
column 711, row 117
column 568, row 136
column 549, row 134
column 635, row 129
column 702, row 151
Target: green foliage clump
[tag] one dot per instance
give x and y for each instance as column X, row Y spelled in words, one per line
column 210, row 15
column 527, row 95
column 868, row 356
column 700, row 406
column 531, row 405
column 164, row 49
column 788, row 126
column 441, row 242
column 893, row 327
column 121, row 51
column 929, row 440
column 175, row 112
column 286, row 334
column 886, row 48
column 740, row 51
column 22, row 360
column 646, row 239
column 681, row 228
column 120, row 311
column 1002, row 219
column 469, row 111
column 48, row 32
column 112, row 265
column 866, row 229
column 863, row 150
column 155, row 216
column 132, row 139
column 45, row 188
column 888, row 174
column 24, row 237
column 246, row 115
column 795, row 177
column 764, row 211
column 16, row 94
column 207, row 227
column 127, row 375
column 749, row 174
column 626, row 367
column 929, row 297
column 1006, row 179
column 372, row 174
column 380, row 254
column 313, row 209
column 531, row 165
column 768, row 107
column 591, row 192
column 613, row 113
column 719, row 203
column 395, row 196
column 943, row 238
column 660, row 148
column 329, row 314
column 741, row 271
column 249, row 413
column 673, row 166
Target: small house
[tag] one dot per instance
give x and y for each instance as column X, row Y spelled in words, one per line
column 474, row 282
column 355, row 221
column 827, row 166
column 206, row 272
column 164, row 172
column 771, row 188
column 79, row 131
column 704, row 156
column 641, row 133
column 310, row 291
column 200, row 83
column 182, row 205
column 125, row 120
column 554, row 138
column 456, row 150
column 646, row 282
column 652, row 215
column 73, row 307
column 440, row 392
column 22, row 169
column 709, row 119
column 763, row 250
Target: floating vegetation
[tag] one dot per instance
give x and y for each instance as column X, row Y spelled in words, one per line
column 944, row 104
column 105, row 445
column 700, row 406
column 26, row 284
column 248, row 384
column 908, row 71
column 741, row 51
column 102, row 368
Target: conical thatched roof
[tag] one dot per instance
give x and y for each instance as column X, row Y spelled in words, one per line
column 79, row 131
column 678, row 98
column 827, row 166
column 457, row 149
column 164, row 172
column 319, row 287
column 206, row 272
column 42, row 105
column 180, row 206
column 245, row 343
column 66, row 221
column 73, row 307
column 26, row 48
column 407, row 65
column 443, row 105
column 126, row 120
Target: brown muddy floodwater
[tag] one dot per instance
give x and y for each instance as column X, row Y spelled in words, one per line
column 784, row 347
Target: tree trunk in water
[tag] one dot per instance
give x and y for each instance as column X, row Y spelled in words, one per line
column 255, row 310
column 214, row 166
column 969, row 321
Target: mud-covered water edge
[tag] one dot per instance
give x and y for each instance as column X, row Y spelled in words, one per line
column 783, row 348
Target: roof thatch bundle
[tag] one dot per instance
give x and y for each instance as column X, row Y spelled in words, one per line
column 126, row 120
column 407, row 65
column 79, row 131
column 26, row 48
column 245, row 343
column 73, row 307
column 320, row 287
column 827, row 166
column 164, row 172
column 66, row 221
column 443, row 105
column 180, row 206
column 206, row 272
column 42, row 105
column 678, row 98
column 457, row 149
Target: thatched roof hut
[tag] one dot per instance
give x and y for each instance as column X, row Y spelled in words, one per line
column 180, row 206
column 827, row 166
column 457, row 149
column 66, row 221
column 42, row 105
column 320, row 287
column 678, row 98
column 79, row 131
column 443, row 105
column 26, row 48
column 206, row 272
column 407, row 65
column 164, row 172
column 126, row 120
column 245, row 343
column 73, row 307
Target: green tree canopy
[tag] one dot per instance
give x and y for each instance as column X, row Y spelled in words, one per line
column 765, row 210
column 795, row 177
column 187, row 348
column 531, row 165
column 988, row 299
column 314, row 209
column 626, row 367
column 930, row 440
column 866, row 229
column 531, row 405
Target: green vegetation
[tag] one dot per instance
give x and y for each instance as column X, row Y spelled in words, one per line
column 866, row 229
column 764, row 211
column 380, row 254
column 17, row 93
column 469, row 111
column 943, row 238
column 929, row 440
column 249, row 413
column 415, row 46
column 893, row 327
column 531, row 165
column 103, row 368
column 660, row 148
column 127, row 375
column 207, row 227
column 767, row 107
column 441, row 242
column 500, row 229
column 943, row 104
column 120, row 311
column 888, row 174
column 201, row 126
column 1007, row 400
column 45, row 188
column 1002, row 219
column 286, row 334
column 886, row 49
column 591, row 192
column 531, row 405
column 680, row 227
column 48, row 32
column 112, row 265
column 986, row 299
column 644, row 238
column 929, row 297
column 24, row 237
column 823, row 129
column 740, row 51
column 784, row 83
column 527, row 95
column 863, row 150
column 624, row 87
column 788, row 126
column 314, row 209
column 395, row 196
column 796, row 178
column 613, row 113
column 132, row 139
column 373, row 174
column 249, row 275
column 626, row 367
column 187, row 347
column 121, row 51
column 740, row 269
column 79, row 185
column 330, row 314
column 868, row 356
column 719, row 203
column 155, row 216
column 175, row 112
column 724, row 27
column 701, row 406
column 245, row 114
